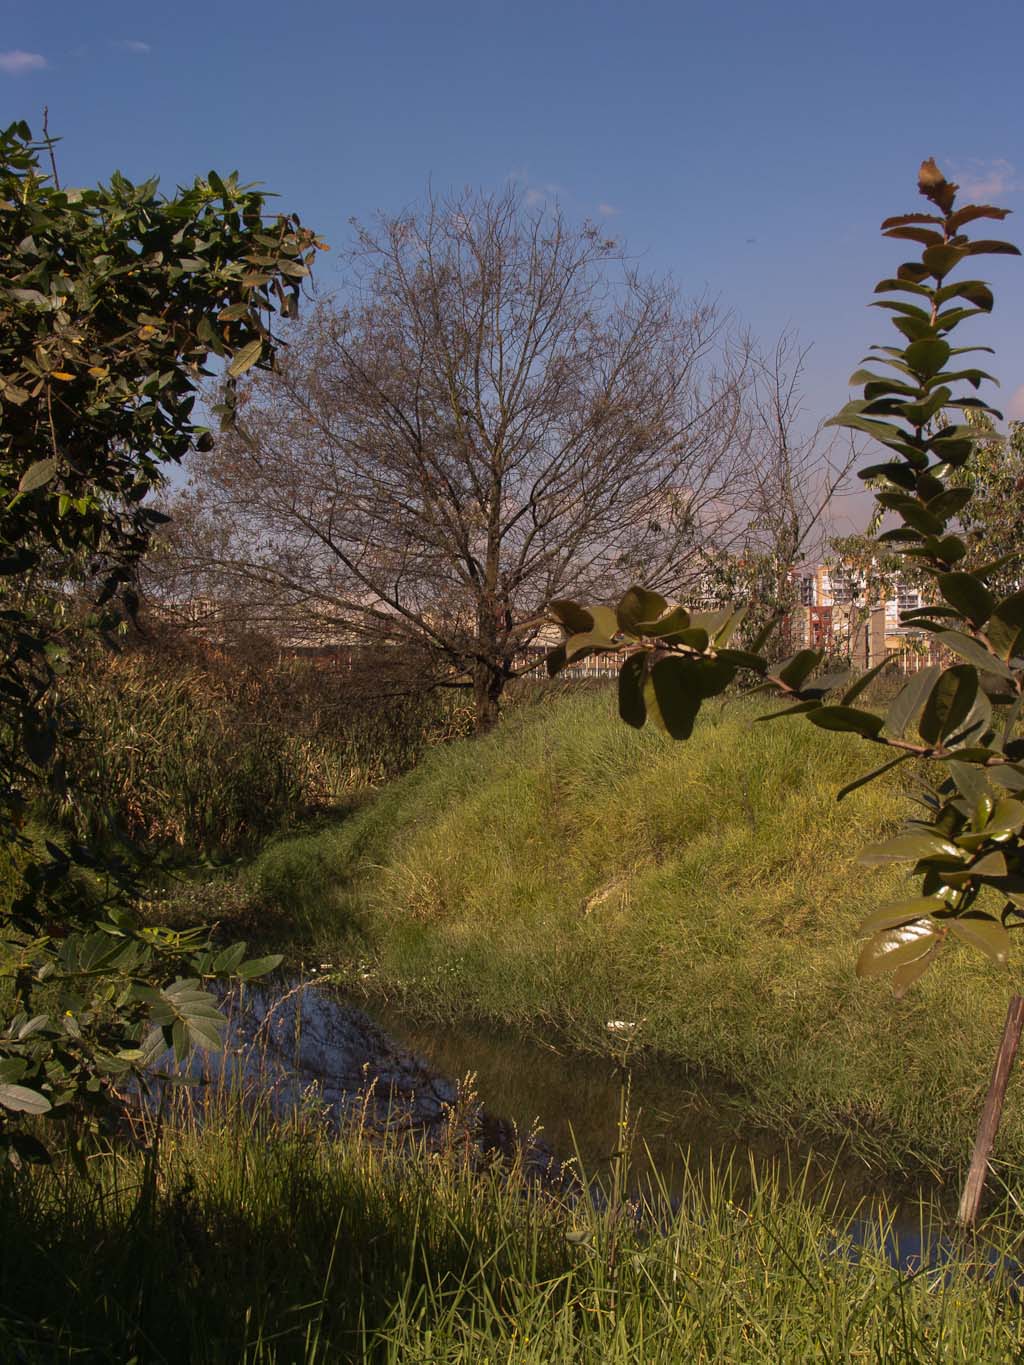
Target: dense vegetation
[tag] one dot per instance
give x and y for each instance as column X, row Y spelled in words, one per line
column 200, row 752
column 241, row 1242
column 569, row 871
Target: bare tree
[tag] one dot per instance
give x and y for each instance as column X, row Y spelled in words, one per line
column 505, row 411
column 795, row 476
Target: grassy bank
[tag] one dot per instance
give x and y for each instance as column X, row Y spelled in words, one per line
column 241, row 1243
column 568, row 871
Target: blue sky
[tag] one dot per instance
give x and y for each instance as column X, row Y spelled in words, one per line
column 749, row 148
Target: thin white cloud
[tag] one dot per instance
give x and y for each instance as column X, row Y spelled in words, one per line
column 607, row 210
column 133, row 45
column 18, row 63
column 981, row 179
column 1015, row 407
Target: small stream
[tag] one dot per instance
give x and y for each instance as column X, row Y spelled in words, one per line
column 305, row 1046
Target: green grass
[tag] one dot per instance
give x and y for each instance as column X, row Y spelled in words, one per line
column 242, row 1243
column 567, row 871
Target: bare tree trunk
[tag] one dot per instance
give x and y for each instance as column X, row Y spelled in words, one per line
column 488, row 685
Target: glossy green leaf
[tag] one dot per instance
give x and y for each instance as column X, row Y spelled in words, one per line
column 668, row 625
column 927, row 356
column 677, row 688
column 910, row 699
column 1009, row 775
column 742, row 658
column 639, row 605
column 904, row 977
column 1006, row 624
column 631, row 690
column 799, row 666
column 940, row 260
column 911, row 848
column 974, row 725
column 259, row 966
column 895, row 948
column 968, row 595
column 974, row 652
column 991, row 864
column 696, row 637
column 984, row 933
column 1007, row 817
column 950, row 702
column 901, row 912
column 970, row 782
column 846, row 718
column 555, row 661
column 798, row 709
column 576, row 619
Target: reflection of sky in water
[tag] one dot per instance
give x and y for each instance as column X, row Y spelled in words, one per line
column 287, row 1046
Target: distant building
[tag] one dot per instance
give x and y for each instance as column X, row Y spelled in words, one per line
column 834, row 614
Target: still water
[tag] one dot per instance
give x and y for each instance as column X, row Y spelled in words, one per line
column 304, row 1045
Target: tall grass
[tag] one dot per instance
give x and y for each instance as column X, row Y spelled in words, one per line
column 567, row 872
column 232, row 1242
column 209, row 753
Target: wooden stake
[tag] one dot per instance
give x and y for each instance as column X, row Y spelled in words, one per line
column 992, row 1113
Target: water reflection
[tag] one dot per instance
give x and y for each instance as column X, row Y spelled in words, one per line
column 301, row 1044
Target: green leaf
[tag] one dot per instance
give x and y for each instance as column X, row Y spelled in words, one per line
column 910, row 699
column 555, row 661
column 847, row 718
column 1007, row 817
column 895, row 948
column 606, row 623
column 668, row 626
column 940, row 260
column 970, row 782
column 972, row 728
column 927, row 356
column 968, row 595
column 984, row 933
column 1006, row 624
column 799, row 666
column 904, row 977
column 639, row 605
column 246, row 358
column 259, row 966
column 950, row 702
column 696, row 637
column 23, row 1101
column 742, row 658
column 900, row 912
column 991, row 864
column 677, row 688
column 631, row 690
column 905, row 848
column 1009, row 775
column 36, row 475
column 575, row 618
column 974, row 652
column 229, row 959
